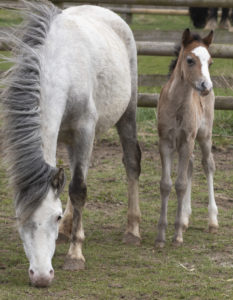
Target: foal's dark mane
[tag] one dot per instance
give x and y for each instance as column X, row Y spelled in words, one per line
column 29, row 173
column 195, row 37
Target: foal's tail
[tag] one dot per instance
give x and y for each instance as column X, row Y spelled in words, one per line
column 29, row 173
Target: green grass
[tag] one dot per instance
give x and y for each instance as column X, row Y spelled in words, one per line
column 201, row 269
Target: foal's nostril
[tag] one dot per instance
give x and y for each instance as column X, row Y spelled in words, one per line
column 203, row 85
column 31, row 272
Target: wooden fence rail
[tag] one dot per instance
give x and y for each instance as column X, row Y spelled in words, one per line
column 167, row 49
column 187, row 3
column 151, row 100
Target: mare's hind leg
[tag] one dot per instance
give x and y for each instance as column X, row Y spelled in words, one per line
column 186, row 207
column 126, row 127
column 80, row 154
column 209, row 168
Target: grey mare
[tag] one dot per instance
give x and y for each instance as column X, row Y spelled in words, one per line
column 74, row 76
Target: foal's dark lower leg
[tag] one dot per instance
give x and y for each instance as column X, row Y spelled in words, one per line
column 131, row 158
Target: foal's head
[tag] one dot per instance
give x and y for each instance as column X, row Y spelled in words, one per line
column 196, row 60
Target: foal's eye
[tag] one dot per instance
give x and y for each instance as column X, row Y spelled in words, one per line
column 59, row 218
column 190, row 61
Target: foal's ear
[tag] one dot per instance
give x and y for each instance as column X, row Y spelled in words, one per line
column 186, row 37
column 58, row 180
column 208, row 39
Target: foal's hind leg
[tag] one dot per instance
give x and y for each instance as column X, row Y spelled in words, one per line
column 209, row 168
column 80, row 154
column 131, row 158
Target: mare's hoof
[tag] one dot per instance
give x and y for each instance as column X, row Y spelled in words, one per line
column 73, row 264
column 62, row 238
column 159, row 244
column 213, row 228
column 131, row 239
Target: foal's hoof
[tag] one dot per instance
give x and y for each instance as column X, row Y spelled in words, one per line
column 131, row 239
column 177, row 242
column 159, row 244
column 213, row 228
column 73, row 264
column 62, row 238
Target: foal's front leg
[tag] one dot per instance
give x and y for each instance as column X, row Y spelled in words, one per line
column 166, row 150
column 185, row 150
column 209, row 168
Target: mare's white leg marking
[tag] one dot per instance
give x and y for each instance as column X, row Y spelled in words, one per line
column 134, row 213
column 75, row 250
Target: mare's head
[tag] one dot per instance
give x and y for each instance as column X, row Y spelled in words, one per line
column 196, row 60
column 38, row 229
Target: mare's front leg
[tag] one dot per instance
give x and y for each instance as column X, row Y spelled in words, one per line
column 209, row 168
column 65, row 226
column 80, row 154
column 126, row 127
column 166, row 152
column 185, row 149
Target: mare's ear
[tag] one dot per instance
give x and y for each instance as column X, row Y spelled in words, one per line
column 208, row 39
column 186, row 37
column 58, row 180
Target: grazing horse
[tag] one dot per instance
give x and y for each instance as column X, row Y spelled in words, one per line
column 185, row 113
column 75, row 76
column 208, row 18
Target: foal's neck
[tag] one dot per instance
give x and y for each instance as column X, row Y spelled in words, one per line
column 180, row 89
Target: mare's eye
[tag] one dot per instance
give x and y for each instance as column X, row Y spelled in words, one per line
column 190, row 61
column 59, row 218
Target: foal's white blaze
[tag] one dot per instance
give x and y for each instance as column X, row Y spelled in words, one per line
column 39, row 237
column 204, row 56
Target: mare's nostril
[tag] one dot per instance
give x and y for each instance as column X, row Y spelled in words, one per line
column 51, row 272
column 31, row 272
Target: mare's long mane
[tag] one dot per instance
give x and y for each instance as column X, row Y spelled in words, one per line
column 30, row 175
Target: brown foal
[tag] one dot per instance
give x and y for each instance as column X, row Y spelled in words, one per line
column 186, row 113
